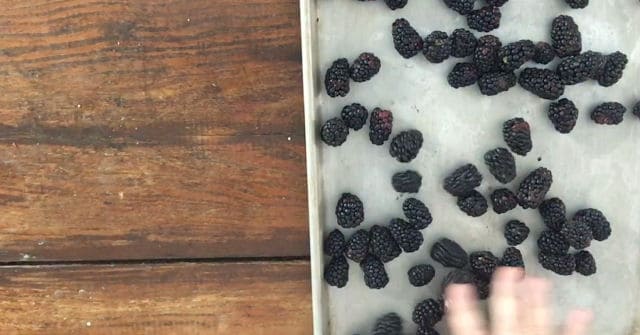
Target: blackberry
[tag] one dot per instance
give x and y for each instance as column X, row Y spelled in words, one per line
column 542, row 82
column 534, row 188
column 336, row 80
column 517, row 134
column 496, row 3
column 382, row 244
column 334, row 244
column 407, row 237
column 553, row 243
column 563, row 265
column 463, row 43
column 636, row 109
column 406, row 145
column 580, row 68
column 484, row 19
column 395, row 4
column 482, row 285
column 585, row 263
column 501, row 164
column 458, row 276
column 554, row 213
column 503, row 200
column 426, row 331
column 463, row 74
column 515, row 232
column 349, row 211
column 388, row 324
column 364, row 67
column 336, row 272
column 544, row 53
column 375, row 276
column 334, row 132
column 578, row 234
column 406, row 182
column 608, row 113
column 494, row 83
column 565, row 36
column 483, row 263
column 406, row 39
column 473, row 204
column 485, row 57
column 512, row 257
column 380, row 125
column 428, row 312
column 354, row 116
column 600, row 226
column 449, row 254
column 437, row 47
column 421, row 275
column 513, row 55
column 357, row 247
column 463, row 180
column 417, row 213
column 463, row 7
column 613, row 69
column 563, row 115
column 577, row 3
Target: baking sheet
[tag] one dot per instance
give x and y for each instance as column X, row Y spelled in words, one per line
column 594, row 166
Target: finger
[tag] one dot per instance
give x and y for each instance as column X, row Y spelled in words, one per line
column 578, row 322
column 463, row 314
column 503, row 302
column 535, row 306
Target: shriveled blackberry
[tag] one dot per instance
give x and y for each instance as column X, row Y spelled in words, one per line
column 463, row 43
column 608, row 113
column 395, row 4
column 406, row 145
column 580, row 68
column 375, row 276
column 565, row 36
column 542, row 82
column 334, row 244
column 406, row 39
column 336, row 80
column 585, row 263
column 636, row 109
column 382, row 244
column 473, row 204
column 534, row 188
column 354, row 116
column 426, row 331
column 484, row 19
column 501, row 164
column 503, row 200
column 513, row 55
column 600, row 226
column 463, row 180
column 515, row 232
column 563, row 115
column 428, row 312
column 437, row 47
column 421, row 275
column 485, row 57
column 552, row 243
column 512, row 257
column 563, row 265
column 613, row 69
column 334, row 132
column 463, row 74
column 380, row 125
column 578, row 234
column 406, row 182
column 483, row 263
column 544, row 53
column 517, row 134
column 388, row 324
column 483, row 287
column 364, row 67
column 336, row 272
column 349, row 211
column 494, row 83
column 554, row 213
column 417, row 213
column 407, row 237
column 577, row 3
column 449, row 253
column 463, row 7
column 357, row 247
column 458, row 276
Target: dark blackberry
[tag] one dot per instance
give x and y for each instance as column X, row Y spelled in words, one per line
column 336, row 272
column 334, row 244
column 463, row 7
column 563, row 115
column 458, row 276
column 407, row 237
column 406, row 39
column 380, row 125
column 600, row 226
column 382, row 244
column 613, row 69
column 515, row 232
column 565, row 36
column 554, row 213
column 449, row 254
column 406, row 182
column 580, row 68
column 577, row 3
column 544, row 53
column 473, row 204
column 552, row 243
column 484, row 19
column 563, row 265
column 503, row 200
column 426, row 331
column 513, row 55
column 512, row 257
column 406, row 145
column 388, row 324
column 483, row 287
column 608, row 113
column 395, row 4
column 349, row 211
column 485, row 57
column 421, row 275
column 428, row 312
column 636, row 109
column 463, row 43
column 494, row 83
column 336, row 80
column 334, row 132
column 483, row 263
column 496, row 3
column 364, row 67
column 357, row 247
column 534, row 188
column 463, row 180
column 542, row 82
column 375, row 276
column 417, row 213
column 585, row 263
column 501, row 164
column 354, row 116
column 463, row 74
column 517, row 134
column 578, row 234
column 437, row 47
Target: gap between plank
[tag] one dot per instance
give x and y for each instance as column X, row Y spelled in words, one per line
column 283, row 259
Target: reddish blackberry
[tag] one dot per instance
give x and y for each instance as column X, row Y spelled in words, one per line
column 515, row 232
column 600, row 226
column 486, row 54
column 354, row 116
column 406, row 39
column 357, row 247
column 580, row 68
column 365, row 67
column 417, row 213
column 463, row 7
column 503, row 200
column 395, row 4
column 578, row 234
column 375, row 276
column 334, row 244
column 608, row 113
column 406, row 145
column 473, row 204
column 552, row 243
column 501, row 164
column 494, row 83
column 484, row 19
column 427, row 331
column 542, row 82
column 577, row 3
column 428, row 312
column 636, row 109
column 517, row 135
column 388, row 324
column 563, row 265
column 437, row 47
column 563, row 115
column 382, row 244
column 334, row 132
column 463, row 43
column 544, row 53
column 463, row 74
column 336, row 80
column 407, row 237
column 513, row 55
column 421, row 275
column 534, row 188
column 336, row 272
column 613, row 69
column 554, row 213
column 380, row 125
column 349, row 211
column 449, row 254
column 565, row 36
column 585, row 263
column 483, row 263
column 463, row 180
column 406, row 182
column 512, row 257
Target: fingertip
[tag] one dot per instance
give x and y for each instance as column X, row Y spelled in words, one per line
column 459, row 292
column 508, row 274
column 578, row 322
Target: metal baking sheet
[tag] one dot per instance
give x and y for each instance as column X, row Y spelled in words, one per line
column 594, row 166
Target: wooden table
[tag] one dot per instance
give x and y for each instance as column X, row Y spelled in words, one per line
column 153, row 168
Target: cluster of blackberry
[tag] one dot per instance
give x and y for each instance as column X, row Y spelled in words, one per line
column 337, row 79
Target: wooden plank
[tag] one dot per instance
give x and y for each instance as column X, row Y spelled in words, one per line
column 250, row 298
